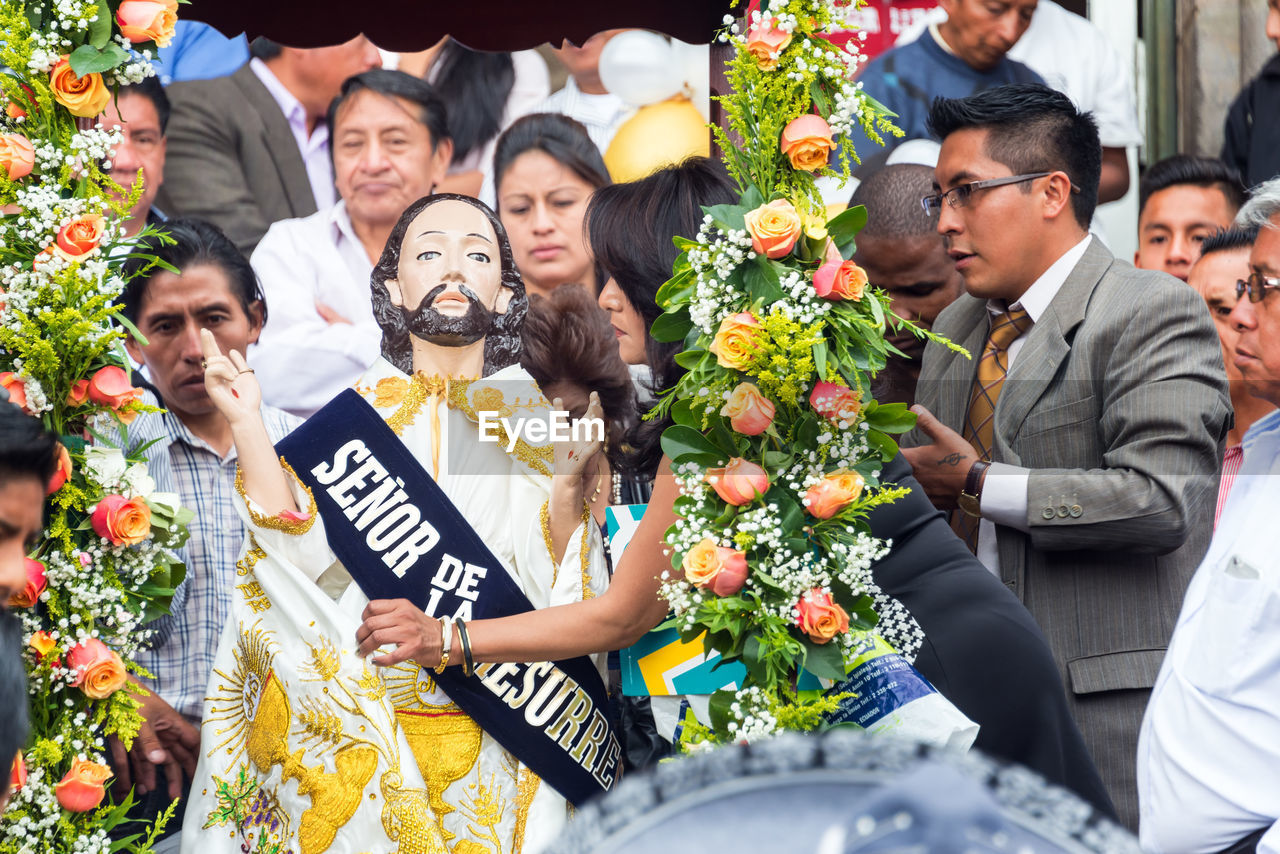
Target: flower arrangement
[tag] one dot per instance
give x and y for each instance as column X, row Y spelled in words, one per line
column 776, row 443
column 104, row 566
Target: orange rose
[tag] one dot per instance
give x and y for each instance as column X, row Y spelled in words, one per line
column 99, row 671
column 701, row 563
column 82, row 96
column 765, row 42
column 739, row 482
column 18, row 775
column 110, row 386
column 774, row 228
column 148, row 21
column 833, row 493
column 749, row 412
column 36, row 583
column 732, row 574
column 123, row 521
column 79, row 237
column 62, row 473
column 79, row 393
column 735, row 339
column 83, row 787
column 807, row 141
column 834, row 401
column 17, row 389
column 819, row 617
column 42, row 643
column 17, row 156
column 843, row 280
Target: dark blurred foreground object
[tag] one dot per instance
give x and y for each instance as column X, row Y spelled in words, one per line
column 841, row 791
column 406, row 25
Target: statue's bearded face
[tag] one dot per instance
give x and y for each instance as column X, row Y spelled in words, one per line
column 449, row 283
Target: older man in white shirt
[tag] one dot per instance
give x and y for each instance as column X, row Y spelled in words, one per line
column 390, row 147
column 1209, row 752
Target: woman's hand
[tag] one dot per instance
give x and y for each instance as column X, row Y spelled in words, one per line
column 572, row 456
column 230, row 382
column 398, row 621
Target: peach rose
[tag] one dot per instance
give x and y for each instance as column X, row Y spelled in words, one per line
column 36, row 583
column 42, row 643
column 701, row 563
column 79, row 393
column 123, row 521
column 62, row 473
column 17, row 389
column 833, row 493
column 765, row 42
column 739, row 482
column 735, row 340
column 110, row 386
column 732, row 574
column 17, row 156
column 774, row 228
column 834, row 401
column 749, row 412
column 83, row 787
column 82, row 96
column 819, row 617
column 843, row 280
column 14, row 111
column 99, row 671
column 18, row 774
column 148, row 21
column 79, row 237
column 807, row 141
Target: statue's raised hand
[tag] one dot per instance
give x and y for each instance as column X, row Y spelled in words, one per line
column 230, row 382
column 572, row 455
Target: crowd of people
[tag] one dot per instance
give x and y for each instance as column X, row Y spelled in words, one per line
column 1086, row 543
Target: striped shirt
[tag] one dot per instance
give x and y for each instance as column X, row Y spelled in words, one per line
column 181, row 653
column 1230, row 468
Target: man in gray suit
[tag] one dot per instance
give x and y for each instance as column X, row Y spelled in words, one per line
column 251, row 149
column 1085, row 481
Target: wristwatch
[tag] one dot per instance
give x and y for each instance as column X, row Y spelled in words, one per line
column 970, row 500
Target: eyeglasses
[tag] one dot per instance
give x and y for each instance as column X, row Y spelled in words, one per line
column 958, row 197
column 1256, row 286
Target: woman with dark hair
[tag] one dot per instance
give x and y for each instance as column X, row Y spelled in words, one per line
column 982, row 650
column 545, row 170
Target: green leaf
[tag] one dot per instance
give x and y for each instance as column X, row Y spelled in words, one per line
column 731, row 216
column 762, row 281
column 682, row 413
column 820, row 359
column 756, row 666
column 891, row 417
column 672, row 325
column 88, row 59
column 824, row 660
column 883, row 443
column 679, row 288
column 100, row 29
column 718, row 707
column 844, row 227
column 689, row 359
column 684, row 444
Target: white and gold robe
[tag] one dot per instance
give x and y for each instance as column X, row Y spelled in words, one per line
column 307, row 748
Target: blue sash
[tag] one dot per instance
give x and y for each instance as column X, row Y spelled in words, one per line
column 400, row 537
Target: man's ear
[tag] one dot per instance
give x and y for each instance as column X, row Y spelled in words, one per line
column 255, row 320
column 393, row 290
column 134, row 349
column 1057, row 196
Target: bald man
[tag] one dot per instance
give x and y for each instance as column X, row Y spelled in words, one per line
column 902, row 252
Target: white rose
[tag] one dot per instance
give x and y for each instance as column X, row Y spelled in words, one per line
column 107, row 465
column 138, row 481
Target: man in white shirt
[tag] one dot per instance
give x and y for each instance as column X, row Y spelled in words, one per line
column 250, row 149
column 1209, row 753
column 390, row 147
column 1086, row 480
column 584, row 97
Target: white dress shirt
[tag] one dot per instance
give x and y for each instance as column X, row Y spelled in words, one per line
column 1209, row 749
column 601, row 115
column 1004, row 491
column 314, row 146
column 301, row 360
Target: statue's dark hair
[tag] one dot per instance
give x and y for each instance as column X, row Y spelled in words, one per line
column 501, row 346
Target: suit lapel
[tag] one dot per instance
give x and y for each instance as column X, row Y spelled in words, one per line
column 279, row 141
column 966, row 325
column 1047, row 345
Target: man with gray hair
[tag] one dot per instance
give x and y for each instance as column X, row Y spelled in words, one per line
column 902, row 252
column 1209, row 751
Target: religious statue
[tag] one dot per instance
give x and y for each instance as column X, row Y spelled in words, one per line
column 419, row 482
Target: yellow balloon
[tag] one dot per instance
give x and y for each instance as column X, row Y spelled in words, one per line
column 656, row 136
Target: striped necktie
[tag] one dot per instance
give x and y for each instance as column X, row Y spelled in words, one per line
column 979, row 425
